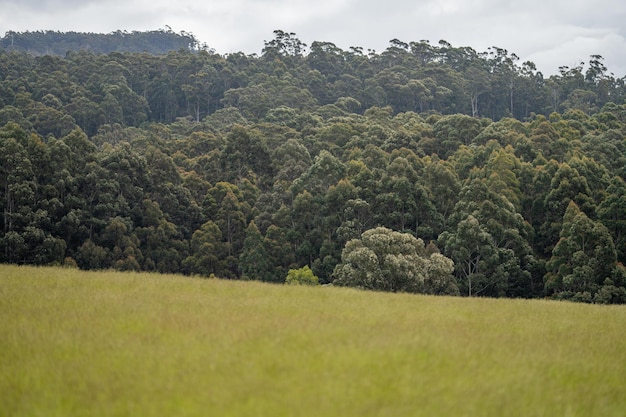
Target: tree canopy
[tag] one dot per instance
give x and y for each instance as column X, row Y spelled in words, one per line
column 385, row 260
column 482, row 176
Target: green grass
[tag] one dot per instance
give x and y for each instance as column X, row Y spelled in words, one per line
column 74, row 343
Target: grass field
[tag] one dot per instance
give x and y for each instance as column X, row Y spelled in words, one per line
column 117, row 344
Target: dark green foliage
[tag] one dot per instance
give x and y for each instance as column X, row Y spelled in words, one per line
column 584, row 259
column 254, row 166
column 59, row 43
column 254, row 261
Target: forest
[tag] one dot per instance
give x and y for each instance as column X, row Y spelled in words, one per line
column 51, row 42
column 468, row 170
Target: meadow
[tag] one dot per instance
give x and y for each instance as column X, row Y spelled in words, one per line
column 75, row 343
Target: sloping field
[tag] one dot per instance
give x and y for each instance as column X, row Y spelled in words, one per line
column 74, row 343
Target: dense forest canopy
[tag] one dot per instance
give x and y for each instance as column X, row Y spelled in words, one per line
column 249, row 167
column 50, row 42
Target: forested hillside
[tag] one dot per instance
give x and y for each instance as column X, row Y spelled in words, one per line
column 49, row 42
column 250, row 166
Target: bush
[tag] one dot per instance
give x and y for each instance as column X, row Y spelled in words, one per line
column 302, row 276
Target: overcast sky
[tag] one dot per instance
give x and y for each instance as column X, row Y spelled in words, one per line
column 550, row 33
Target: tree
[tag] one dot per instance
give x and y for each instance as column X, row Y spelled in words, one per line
column 385, row 260
column 25, row 235
column 454, row 131
column 567, row 185
column 326, row 171
column 254, row 261
column 611, row 213
column 301, row 276
column 232, row 223
column 198, row 90
column 258, row 98
column 121, row 244
column 472, row 248
column 488, row 242
column 582, row 260
column 326, row 58
column 153, row 230
column 245, row 156
column 280, row 251
column 444, row 186
column 501, row 171
column 291, row 159
column 402, row 202
column 440, row 279
column 207, row 251
column 306, row 231
column 284, row 44
column 476, row 85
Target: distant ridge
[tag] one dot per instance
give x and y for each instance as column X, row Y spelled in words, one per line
column 49, row 42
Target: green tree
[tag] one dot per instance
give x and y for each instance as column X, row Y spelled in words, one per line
column 232, row 223
column 254, row 261
column 92, row 256
column 280, row 251
column 207, row 252
column 326, row 171
column 26, row 230
column 501, row 175
column 488, row 242
column 582, row 260
column 122, row 244
column 301, row 276
column 256, row 99
column 291, row 160
column 160, row 240
column 283, row 44
column 566, row 186
column 245, row 156
column 444, row 186
column 611, row 214
column 453, row 131
column 385, row 260
column 402, row 202
column 198, row 90
column 473, row 250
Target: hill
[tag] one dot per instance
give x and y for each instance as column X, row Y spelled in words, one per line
column 248, row 167
column 60, row 43
column 110, row 343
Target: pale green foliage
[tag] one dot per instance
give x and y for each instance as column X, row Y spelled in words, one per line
column 301, row 276
column 386, row 260
column 439, row 273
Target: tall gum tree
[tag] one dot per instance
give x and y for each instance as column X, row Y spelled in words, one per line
column 582, row 260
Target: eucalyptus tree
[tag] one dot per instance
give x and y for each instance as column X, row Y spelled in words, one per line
column 386, row 260
column 207, row 252
column 611, row 213
column 254, row 261
column 488, row 240
column 583, row 259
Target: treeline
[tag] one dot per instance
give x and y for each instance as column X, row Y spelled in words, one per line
column 193, row 81
column 50, row 42
column 249, row 167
